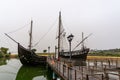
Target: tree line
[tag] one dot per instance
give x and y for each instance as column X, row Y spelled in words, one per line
column 4, row 52
column 109, row 52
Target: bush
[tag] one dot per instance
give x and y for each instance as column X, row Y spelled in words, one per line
column 7, row 55
column 1, row 55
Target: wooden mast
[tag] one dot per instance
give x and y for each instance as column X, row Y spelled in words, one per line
column 59, row 31
column 82, row 40
column 30, row 43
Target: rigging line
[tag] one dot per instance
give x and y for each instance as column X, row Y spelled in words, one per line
column 82, row 41
column 63, row 30
column 60, row 34
column 63, row 21
column 45, row 34
column 11, row 38
column 9, row 44
column 18, row 29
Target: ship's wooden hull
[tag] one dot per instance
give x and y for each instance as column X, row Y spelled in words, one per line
column 28, row 57
column 75, row 55
column 78, row 57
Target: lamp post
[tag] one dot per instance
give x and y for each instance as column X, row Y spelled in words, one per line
column 55, row 52
column 70, row 37
column 48, row 49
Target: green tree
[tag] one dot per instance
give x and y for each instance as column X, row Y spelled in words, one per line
column 4, row 50
column 1, row 55
column 34, row 50
column 45, row 51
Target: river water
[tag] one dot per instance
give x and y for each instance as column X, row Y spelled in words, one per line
column 12, row 69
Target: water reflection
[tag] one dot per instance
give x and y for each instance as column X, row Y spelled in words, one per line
column 34, row 73
column 12, row 69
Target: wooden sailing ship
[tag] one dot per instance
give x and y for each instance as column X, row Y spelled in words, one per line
column 28, row 56
column 74, row 55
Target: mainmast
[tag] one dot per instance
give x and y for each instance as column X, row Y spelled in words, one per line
column 59, row 31
column 30, row 42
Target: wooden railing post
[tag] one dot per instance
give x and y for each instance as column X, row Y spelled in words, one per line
column 106, row 74
column 63, row 69
column 75, row 75
column 107, row 77
column 102, row 77
column 56, row 64
column 109, row 63
column 95, row 63
column 59, row 66
column 119, row 74
column 87, row 77
column 68, row 72
column 102, row 64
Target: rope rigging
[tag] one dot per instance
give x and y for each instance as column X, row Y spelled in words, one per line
column 27, row 26
column 82, row 41
column 45, row 34
column 8, row 34
column 66, row 26
column 18, row 29
column 63, row 43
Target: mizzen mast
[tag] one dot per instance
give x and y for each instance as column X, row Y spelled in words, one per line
column 82, row 40
column 30, row 34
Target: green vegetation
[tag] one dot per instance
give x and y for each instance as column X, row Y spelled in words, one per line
column 44, row 51
column 110, row 52
column 4, row 52
column 34, row 50
column 3, row 61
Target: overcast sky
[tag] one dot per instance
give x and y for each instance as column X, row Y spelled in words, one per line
column 99, row 17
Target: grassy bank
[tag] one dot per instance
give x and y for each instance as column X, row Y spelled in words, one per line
column 103, row 57
column 14, row 56
column 45, row 54
column 109, row 52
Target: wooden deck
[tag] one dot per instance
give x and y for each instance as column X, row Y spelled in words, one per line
column 94, row 70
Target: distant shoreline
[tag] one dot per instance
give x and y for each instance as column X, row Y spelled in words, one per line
column 88, row 57
column 13, row 55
